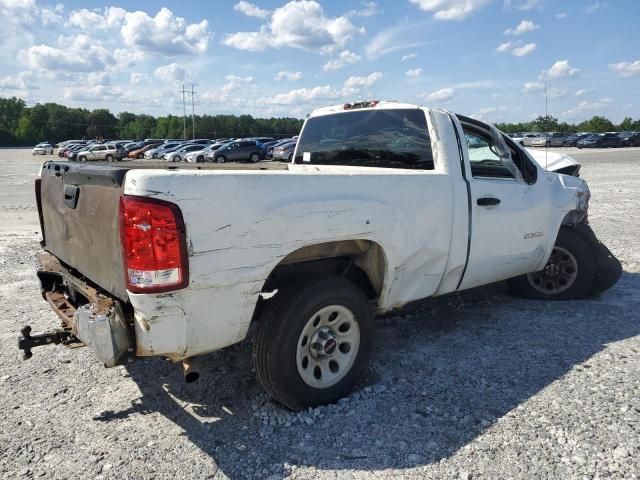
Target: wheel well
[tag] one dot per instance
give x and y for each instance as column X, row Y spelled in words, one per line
column 361, row 261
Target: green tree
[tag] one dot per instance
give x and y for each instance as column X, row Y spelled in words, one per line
column 546, row 123
column 596, row 124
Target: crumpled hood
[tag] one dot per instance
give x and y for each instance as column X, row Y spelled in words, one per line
column 551, row 161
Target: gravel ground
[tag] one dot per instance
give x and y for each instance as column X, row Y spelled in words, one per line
column 473, row 385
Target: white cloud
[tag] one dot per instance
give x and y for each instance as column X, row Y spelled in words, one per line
column 302, row 95
column 560, row 69
column 172, row 73
column 298, row 24
column 523, row 50
column 408, row 56
column 77, row 54
column 235, row 83
column 21, row 81
column 91, row 20
column 251, row 10
column 523, row 27
column 345, row 58
column 51, row 17
column 517, row 49
column 532, row 87
column 561, row 15
column 451, row 9
column 583, row 91
column 524, row 5
column 441, row 96
column 393, row 38
column 369, row 80
column 626, row 69
column 594, row 7
column 137, row 78
column 505, row 47
column 413, row 72
column 287, row 75
column 165, row 33
column 368, row 9
column 583, row 107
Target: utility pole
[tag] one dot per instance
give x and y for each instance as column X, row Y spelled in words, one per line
column 184, row 116
column 193, row 113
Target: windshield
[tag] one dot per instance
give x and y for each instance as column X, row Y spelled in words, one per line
column 368, row 138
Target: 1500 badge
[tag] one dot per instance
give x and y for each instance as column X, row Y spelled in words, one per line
column 533, row 235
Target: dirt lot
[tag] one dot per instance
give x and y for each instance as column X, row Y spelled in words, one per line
column 474, row 385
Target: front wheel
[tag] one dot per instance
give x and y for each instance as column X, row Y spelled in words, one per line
column 82, row 159
column 109, row 158
column 220, row 159
column 314, row 341
column 255, row 158
column 176, row 158
column 568, row 275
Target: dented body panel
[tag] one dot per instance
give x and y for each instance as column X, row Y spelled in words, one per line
column 415, row 233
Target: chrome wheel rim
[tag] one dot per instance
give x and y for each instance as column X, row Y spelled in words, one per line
column 327, row 346
column 558, row 275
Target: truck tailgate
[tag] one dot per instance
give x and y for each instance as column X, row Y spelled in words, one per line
column 79, row 211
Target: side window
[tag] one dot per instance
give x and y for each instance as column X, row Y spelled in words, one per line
column 489, row 156
column 386, row 138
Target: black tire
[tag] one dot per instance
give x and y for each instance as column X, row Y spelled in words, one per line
column 200, row 159
column 82, row 159
column 254, row 157
column 548, row 144
column 583, row 283
column 221, row 159
column 290, row 157
column 109, row 158
column 282, row 321
column 140, row 156
column 175, row 158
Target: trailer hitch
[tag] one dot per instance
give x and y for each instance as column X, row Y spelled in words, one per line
column 26, row 341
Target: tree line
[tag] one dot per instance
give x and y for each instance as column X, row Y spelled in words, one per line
column 21, row 125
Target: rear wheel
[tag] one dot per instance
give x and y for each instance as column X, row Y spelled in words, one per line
column 220, row 159
column 82, row 159
column 176, row 158
column 569, row 273
column 314, row 342
column 109, row 158
column 255, row 158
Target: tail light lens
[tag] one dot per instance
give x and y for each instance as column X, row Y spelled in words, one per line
column 153, row 245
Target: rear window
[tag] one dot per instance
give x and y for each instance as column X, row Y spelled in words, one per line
column 368, row 138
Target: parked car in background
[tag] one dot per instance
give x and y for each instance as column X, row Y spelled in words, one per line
column 203, row 155
column 284, row 152
column 139, row 153
column 119, row 148
column 72, row 151
column 160, row 150
column 180, row 154
column 201, row 141
column 238, row 151
column 270, row 149
column 528, row 139
column 98, row 152
column 44, row 148
column 600, row 140
column 571, row 140
column 629, row 139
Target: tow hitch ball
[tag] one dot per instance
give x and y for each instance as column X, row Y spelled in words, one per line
column 26, row 341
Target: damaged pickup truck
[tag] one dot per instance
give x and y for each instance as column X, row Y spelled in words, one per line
column 384, row 203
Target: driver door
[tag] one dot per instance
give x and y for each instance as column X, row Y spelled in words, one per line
column 509, row 216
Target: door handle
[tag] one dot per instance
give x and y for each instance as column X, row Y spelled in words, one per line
column 488, row 201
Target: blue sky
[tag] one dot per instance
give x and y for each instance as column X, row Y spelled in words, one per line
column 486, row 58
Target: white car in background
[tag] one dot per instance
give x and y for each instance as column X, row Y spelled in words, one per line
column 106, row 152
column 42, row 149
column 180, row 155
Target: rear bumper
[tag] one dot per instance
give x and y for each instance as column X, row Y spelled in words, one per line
column 98, row 320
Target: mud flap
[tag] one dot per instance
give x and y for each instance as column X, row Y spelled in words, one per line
column 609, row 267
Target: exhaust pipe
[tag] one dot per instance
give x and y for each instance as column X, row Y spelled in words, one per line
column 190, row 369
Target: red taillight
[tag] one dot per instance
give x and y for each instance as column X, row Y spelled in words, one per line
column 153, row 245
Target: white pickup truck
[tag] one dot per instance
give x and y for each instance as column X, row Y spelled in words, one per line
column 384, row 203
